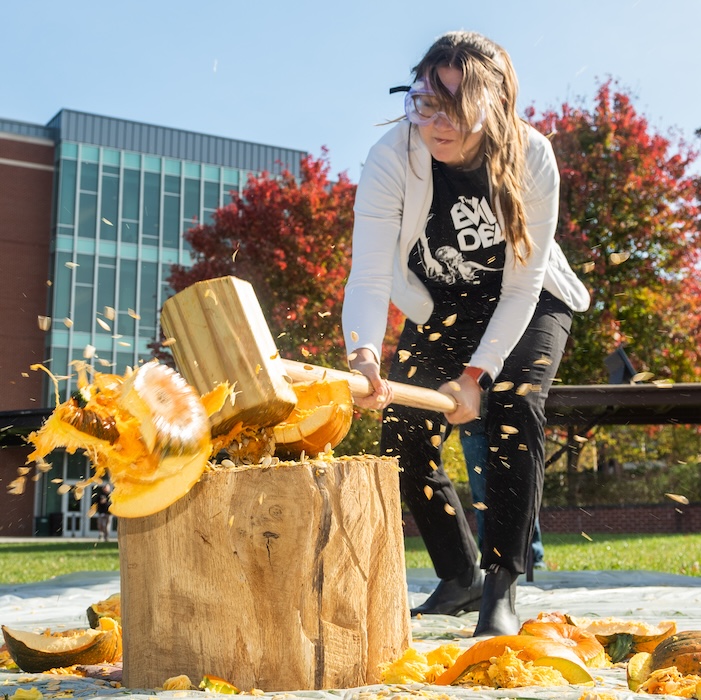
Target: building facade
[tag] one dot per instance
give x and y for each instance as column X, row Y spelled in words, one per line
column 92, row 215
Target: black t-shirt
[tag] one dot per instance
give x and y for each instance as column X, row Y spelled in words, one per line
column 462, row 249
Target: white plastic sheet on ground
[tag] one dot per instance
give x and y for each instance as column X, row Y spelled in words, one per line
column 60, row 603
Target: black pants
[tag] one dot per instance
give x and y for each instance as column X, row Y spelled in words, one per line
column 434, row 353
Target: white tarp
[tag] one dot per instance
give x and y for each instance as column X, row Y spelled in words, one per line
column 60, row 603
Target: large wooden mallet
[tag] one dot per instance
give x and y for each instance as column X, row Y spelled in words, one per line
column 221, row 335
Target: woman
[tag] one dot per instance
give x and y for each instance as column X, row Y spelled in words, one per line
column 455, row 216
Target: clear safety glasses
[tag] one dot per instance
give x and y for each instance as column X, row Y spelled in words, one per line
column 422, row 107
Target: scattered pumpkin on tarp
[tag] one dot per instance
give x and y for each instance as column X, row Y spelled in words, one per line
column 416, row 667
column 149, row 429
column 642, row 677
column 623, row 638
column 218, row 685
column 320, row 420
column 38, row 652
column 110, row 607
column 539, row 651
column 584, row 644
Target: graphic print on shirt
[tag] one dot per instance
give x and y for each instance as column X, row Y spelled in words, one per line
column 476, row 230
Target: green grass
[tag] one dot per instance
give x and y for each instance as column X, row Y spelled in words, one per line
column 22, row 562
column 25, row 562
column 672, row 554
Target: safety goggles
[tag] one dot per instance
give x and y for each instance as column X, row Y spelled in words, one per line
column 422, row 107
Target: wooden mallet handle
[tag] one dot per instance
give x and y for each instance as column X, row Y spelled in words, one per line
column 403, row 394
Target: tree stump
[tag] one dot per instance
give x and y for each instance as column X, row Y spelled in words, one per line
column 290, row 577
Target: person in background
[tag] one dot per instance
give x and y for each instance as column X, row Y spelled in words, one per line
column 103, row 502
column 455, row 217
column 473, row 441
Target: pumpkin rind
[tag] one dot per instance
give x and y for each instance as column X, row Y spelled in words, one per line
column 682, row 650
column 584, row 644
column 319, row 421
column 36, row 653
column 110, row 607
column 624, row 638
column 538, row 650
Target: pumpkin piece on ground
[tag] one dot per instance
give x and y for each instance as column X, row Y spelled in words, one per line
column 584, row 644
column 37, row 653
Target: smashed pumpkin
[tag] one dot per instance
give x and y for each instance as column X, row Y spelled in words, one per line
column 540, row 651
column 320, row 420
column 623, row 638
column 149, row 429
column 110, row 607
column 682, row 650
column 584, row 644
column 36, row 653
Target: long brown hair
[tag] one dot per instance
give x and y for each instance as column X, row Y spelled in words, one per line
column 488, row 83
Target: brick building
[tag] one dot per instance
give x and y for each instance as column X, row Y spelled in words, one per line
column 92, row 212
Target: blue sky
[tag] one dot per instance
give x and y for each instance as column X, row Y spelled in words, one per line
column 311, row 73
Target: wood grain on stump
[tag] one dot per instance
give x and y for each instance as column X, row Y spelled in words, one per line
column 285, row 578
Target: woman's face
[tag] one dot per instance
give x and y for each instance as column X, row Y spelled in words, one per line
column 447, row 144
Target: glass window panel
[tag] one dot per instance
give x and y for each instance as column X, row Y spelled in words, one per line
column 172, row 184
column 130, row 195
column 231, row 175
column 110, row 157
column 124, row 360
column 210, row 172
column 192, row 200
column 107, row 276
column 82, row 310
column 192, row 170
column 228, row 192
column 110, row 169
column 59, row 366
column 69, row 150
column 152, row 164
column 148, row 295
column 86, row 268
column 132, row 160
column 152, row 201
column 88, row 176
column 130, row 232
column 68, row 173
column 211, row 195
column 66, row 231
column 62, row 286
column 109, row 208
column 171, row 221
column 90, row 153
column 54, row 500
column 87, row 215
column 171, row 167
column 167, row 290
column 77, row 466
column 127, row 296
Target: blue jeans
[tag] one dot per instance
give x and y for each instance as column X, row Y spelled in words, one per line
column 473, row 440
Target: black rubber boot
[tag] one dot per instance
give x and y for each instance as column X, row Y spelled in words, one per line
column 498, row 610
column 454, row 596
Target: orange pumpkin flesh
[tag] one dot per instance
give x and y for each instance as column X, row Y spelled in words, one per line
column 541, row 651
column 320, row 420
column 623, row 638
column 149, row 430
column 584, row 644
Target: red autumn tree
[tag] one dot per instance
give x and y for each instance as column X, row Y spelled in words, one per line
column 291, row 240
column 629, row 221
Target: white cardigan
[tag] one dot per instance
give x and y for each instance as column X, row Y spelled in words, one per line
column 392, row 205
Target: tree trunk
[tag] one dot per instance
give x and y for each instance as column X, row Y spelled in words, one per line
column 285, row 578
